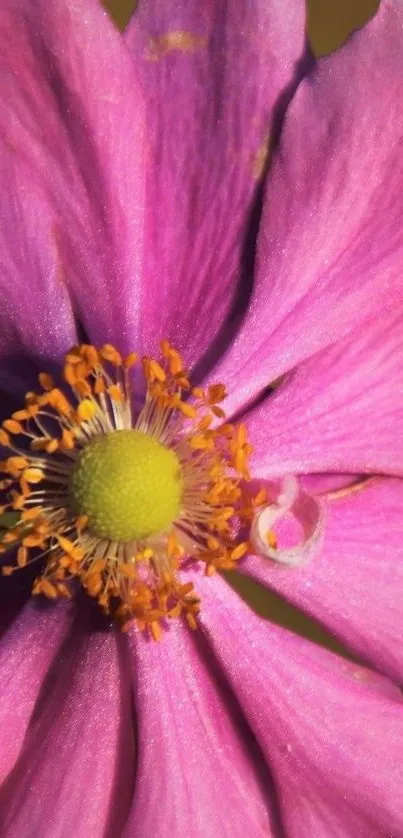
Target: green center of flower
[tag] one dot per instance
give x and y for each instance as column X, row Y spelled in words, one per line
column 128, row 485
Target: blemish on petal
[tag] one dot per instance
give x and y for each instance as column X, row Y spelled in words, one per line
column 353, row 488
column 260, row 158
column 181, row 41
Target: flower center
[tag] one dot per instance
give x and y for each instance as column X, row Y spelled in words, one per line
column 128, row 485
column 120, row 499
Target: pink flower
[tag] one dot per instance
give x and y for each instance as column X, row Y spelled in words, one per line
column 129, row 223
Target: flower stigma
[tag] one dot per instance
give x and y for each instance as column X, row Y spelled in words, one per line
column 121, row 501
column 127, row 485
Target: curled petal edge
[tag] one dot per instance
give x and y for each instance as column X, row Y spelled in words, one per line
column 306, row 509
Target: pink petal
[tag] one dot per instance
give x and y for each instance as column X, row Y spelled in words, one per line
column 36, row 319
column 198, row 773
column 75, row 773
column 341, row 410
column 71, row 121
column 212, row 74
column 354, row 586
column 330, row 730
column 330, row 254
column 27, row 651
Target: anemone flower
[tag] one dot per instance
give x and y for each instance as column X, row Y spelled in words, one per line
column 141, row 214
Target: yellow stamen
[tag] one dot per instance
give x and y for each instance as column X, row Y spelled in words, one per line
column 86, row 410
column 33, row 475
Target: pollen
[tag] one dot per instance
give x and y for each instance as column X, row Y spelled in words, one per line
column 122, row 501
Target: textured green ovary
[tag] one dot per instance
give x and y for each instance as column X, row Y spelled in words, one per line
column 128, row 484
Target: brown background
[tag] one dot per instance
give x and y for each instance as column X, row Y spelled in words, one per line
column 329, row 21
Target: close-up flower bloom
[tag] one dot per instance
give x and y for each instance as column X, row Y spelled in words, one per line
column 201, row 249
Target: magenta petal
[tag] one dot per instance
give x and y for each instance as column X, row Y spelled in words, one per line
column 198, row 773
column 71, row 120
column 27, row 651
column 330, row 730
column 75, row 773
column 340, row 411
column 331, row 244
column 36, row 316
column 354, row 586
column 212, row 74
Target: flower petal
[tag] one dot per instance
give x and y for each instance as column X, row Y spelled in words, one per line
column 330, row 254
column 75, row 773
column 341, row 410
column 71, row 120
column 198, row 772
column 354, row 587
column 217, row 78
column 331, row 731
column 27, row 651
column 36, row 318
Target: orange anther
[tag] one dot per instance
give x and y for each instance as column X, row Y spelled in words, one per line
column 109, row 353
column 18, row 501
column 11, row 536
column 22, row 556
column 271, row 539
column 14, row 465
column 130, row 360
column 67, row 439
column 58, row 401
column 73, row 355
column 81, row 523
column 45, row 587
column 201, row 443
column 99, row 386
column 69, row 374
column 186, row 409
column 218, row 412
column 191, row 621
column 239, row 551
column 31, row 514
column 4, row 438
column 21, row 415
column 46, row 381
column 260, row 498
column 63, row 590
column 33, row 475
column 93, row 585
column 153, row 370
column 155, row 629
column 69, row 548
column 241, row 435
column 13, row 427
column 83, row 388
column 96, row 568
column 204, row 423
column 90, row 354
column 216, row 393
column 115, row 393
